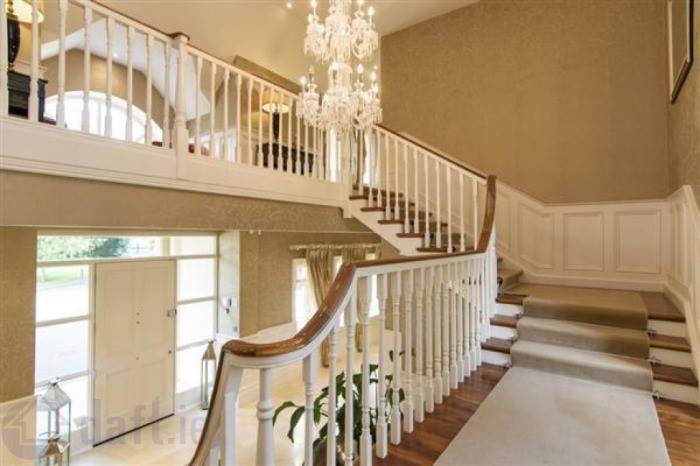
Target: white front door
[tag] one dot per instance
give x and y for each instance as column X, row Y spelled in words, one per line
column 134, row 345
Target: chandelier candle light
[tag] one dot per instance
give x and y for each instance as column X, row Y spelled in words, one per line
column 337, row 41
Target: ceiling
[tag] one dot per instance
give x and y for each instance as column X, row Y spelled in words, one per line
column 265, row 31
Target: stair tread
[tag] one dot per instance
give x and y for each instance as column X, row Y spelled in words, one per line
column 674, row 374
column 499, row 345
column 504, row 321
column 669, row 342
column 660, row 307
column 510, row 298
column 366, row 188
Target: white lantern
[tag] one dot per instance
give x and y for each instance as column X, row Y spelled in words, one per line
column 57, row 406
column 208, row 369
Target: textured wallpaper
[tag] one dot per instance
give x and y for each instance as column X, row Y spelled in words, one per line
column 563, row 99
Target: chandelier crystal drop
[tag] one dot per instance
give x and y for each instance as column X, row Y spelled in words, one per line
column 344, row 37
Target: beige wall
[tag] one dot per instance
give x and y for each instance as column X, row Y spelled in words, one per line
column 17, row 312
column 51, row 201
column 266, row 273
column 563, row 99
column 98, row 81
column 684, row 127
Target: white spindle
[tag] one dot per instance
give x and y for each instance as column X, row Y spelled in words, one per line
column 396, row 375
column 397, row 210
column 198, row 110
column 437, row 330
column 446, row 382
column 331, row 453
column 408, row 353
column 475, row 214
column 429, row 313
column 149, row 89
column 238, row 154
column 387, row 157
column 110, row 76
column 307, row 161
column 298, row 143
column 226, row 152
column 34, row 72
column 458, row 280
column 309, row 369
column 167, row 50
column 426, row 215
column 407, row 211
column 212, row 111
column 448, row 177
column 350, row 319
column 438, row 199
column 317, row 159
column 461, row 213
column 420, row 385
column 416, row 204
column 249, row 115
column 87, row 20
column 129, row 136
column 265, row 410
column 61, row 105
column 466, row 319
column 270, row 132
column 381, row 404
column 260, row 128
column 454, row 376
column 380, row 167
column 290, row 161
column 4, row 63
column 366, row 436
column 477, row 313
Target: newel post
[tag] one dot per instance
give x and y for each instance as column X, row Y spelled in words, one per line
column 180, row 135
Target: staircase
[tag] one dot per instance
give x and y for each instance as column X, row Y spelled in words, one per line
column 635, row 339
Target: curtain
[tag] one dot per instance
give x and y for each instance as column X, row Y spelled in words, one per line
column 319, row 263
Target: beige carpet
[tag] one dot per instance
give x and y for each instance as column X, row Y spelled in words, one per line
column 538, row 418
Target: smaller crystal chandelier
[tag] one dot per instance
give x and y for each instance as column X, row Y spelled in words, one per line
column 339, row 39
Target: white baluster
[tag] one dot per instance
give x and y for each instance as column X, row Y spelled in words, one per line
column 212, row 112
column 446, row 381
column 198, row 110
column 426, row 215
column 408, row 353
column 416, row 203
column 380, row 167
column 453, row 298
column 266, row 436
column 227, row 155
column 331, row 453
column 149, row 89
column 407, row 212
column 317, row 159
column 270, row 134
column 448, row 177
column 396, row 375
column 477, row 309
column 381, row 405
column 387, row 156
column 110, row 76
column 397, row 211
column 350, row 320
column 420, row 390
column 180, row 132
column 461, row 213
column 437, row 340
column 474, row 344
column 290, row 162
column 429, row 313
column 307, row 162
column 250, row 86
column 260, row 131
column 167, row 51
column 298, row 143
column 4, row 63
column 238, row 154
column 458, row 280
column 366, row 436
column 466, row 319
column 230, row 410
column 87, row 20
column 475, row 214
column 438, row 199
column 129, row 136
column 61, row 105
column 309, row 369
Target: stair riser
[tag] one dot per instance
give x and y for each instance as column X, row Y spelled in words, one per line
column 505, row 333
column 663, row 327
column 495, row 358
column 626, row 347
column 677, row 392
column 508, row 309
column 672, row 358
column 599, row 316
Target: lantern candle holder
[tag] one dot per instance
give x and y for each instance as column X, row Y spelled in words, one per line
column 208, row 369
column 57, row 406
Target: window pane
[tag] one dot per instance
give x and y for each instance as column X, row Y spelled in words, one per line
column 62, row 292
column 97, row 247
column 77, row 390
column 61, row 350
column 192, row 245
column 195, row 322
column 195, row 278
column 188, row 367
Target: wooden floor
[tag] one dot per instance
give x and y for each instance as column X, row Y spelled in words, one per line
column 680, row 424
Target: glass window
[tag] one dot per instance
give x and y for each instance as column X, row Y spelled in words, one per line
column 195, row 278
column 52, row 248
column 195, row 322
column 62, row 292
column 192, row 245
column 188, row 366
column 304, row 302
column 61, row 350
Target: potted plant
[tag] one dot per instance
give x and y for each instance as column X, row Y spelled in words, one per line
column 320, row 412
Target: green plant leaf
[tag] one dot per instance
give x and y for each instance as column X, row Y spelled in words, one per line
column 296, row 416
column 282, row 407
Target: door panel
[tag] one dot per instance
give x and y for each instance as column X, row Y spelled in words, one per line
column 134, row 339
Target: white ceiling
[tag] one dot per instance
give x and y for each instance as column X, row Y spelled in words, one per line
column 265, row 31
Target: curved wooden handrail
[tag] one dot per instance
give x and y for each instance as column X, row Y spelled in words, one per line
column 432, row 151
column 331, row 304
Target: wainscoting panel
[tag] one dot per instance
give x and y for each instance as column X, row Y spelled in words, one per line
column 535, row 232
column 638, row 241
column 584, row 241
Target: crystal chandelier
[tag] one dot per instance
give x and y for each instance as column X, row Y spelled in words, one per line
column 349, row 101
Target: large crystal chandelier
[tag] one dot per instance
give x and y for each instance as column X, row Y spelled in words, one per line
column 350, row 101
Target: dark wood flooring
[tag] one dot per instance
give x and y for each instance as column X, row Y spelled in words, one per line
column 680, row 424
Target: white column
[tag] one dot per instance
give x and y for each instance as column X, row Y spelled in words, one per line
column 266, row 436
